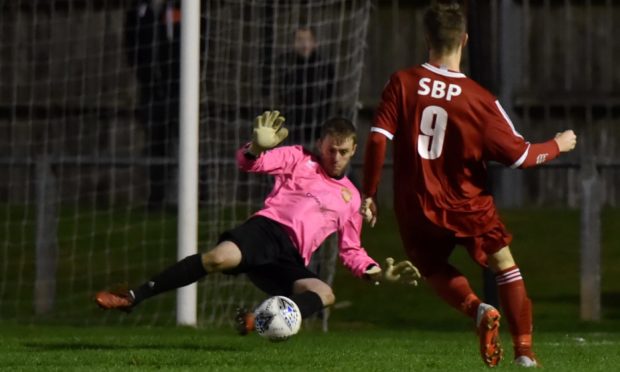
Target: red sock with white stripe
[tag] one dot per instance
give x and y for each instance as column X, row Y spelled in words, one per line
column 517, row 309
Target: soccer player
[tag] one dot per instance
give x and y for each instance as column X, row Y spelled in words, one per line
column 310, row 200
column 445, row 129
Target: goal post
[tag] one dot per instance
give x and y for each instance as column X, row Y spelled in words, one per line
column 187, row 231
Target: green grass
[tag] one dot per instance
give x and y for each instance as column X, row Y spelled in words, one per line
column 545, row 246
column 343, row 349
column 373, row 328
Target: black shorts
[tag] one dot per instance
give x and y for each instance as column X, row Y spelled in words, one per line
column 268, row 256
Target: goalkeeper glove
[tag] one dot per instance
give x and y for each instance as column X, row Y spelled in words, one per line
column 402, row 272
column 369, row 211
column 268, row 132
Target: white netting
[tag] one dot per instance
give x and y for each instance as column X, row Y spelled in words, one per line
column 251, row 66
column 88, row 138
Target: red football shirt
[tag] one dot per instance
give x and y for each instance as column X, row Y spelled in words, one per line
column 445, row 127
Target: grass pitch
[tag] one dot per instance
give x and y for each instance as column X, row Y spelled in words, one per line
column 138, row 348
column 373, row 328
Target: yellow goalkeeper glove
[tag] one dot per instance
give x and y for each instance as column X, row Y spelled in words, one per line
column 402, row 272
column 268, row 132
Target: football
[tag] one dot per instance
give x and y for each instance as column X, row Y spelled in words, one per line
column 277, row 318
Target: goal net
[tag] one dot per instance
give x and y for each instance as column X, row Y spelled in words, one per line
column 89, row 126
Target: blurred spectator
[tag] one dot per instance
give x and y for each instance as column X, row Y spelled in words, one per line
column 305, row 87
column 152, row 40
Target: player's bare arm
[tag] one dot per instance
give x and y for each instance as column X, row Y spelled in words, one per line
column 369, row 210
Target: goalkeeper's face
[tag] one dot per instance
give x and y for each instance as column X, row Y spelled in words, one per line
column 336, row 153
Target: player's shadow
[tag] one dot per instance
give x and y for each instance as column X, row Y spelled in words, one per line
column 74, row 346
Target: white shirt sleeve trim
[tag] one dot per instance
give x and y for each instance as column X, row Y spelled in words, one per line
column 520, row 161
column 501, row 110
column 389, row 135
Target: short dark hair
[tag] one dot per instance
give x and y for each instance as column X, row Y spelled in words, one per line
column 340, row 128
column 444, row 24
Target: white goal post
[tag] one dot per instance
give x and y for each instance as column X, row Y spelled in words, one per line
column 187, row 236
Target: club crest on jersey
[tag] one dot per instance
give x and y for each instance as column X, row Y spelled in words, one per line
column 346, row 194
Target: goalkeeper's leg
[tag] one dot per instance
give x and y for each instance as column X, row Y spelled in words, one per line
column 310, row 295
column 225, row 255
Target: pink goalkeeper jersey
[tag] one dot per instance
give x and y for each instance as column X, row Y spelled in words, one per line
column 310, row 204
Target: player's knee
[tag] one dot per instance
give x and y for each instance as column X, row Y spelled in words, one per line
column 214, row 261
column 225, row 255
column 319, row 287
column 328, row 298
column 501, row 260
column 327, row 295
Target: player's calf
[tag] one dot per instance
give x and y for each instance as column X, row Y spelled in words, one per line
column 184, row 272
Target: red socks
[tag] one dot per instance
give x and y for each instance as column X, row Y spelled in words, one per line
column 454, row 288
column 517, row 308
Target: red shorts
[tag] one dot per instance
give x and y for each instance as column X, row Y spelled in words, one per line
column 429, row 246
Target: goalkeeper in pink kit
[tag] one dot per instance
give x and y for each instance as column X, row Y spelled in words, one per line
column 311, row 199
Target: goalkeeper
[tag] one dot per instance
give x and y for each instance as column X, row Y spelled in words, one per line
column 311, row 199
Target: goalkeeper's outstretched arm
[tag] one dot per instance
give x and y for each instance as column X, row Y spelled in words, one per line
column 356, row 259
column 268, row 132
